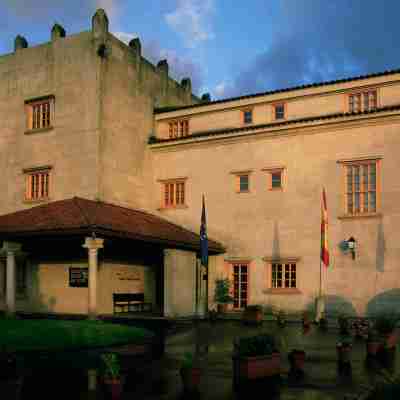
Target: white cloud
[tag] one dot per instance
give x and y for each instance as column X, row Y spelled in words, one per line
column 192, row 20
column 223, row 89
column 125, row 37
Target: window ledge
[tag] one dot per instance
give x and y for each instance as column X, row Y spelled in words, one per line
column 280, row 189
column 283, row 291
column 172, row 208
column 243, row 191
column 39, row 130
column 43, row 200
column 358, row 216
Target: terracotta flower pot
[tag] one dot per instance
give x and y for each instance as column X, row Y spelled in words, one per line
column 297, row 360
column 344, row 352
column 222, row 308
column 190, row 379
column 115, row 387
column 373, row 347
column 391, row 339
column 247, row 368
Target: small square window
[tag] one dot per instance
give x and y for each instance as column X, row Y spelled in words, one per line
column 248, row 116
column 279, row 111
column 243, row 183
column 275, row 177
column 276, row 180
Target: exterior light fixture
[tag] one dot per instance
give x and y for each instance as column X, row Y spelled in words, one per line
column 351, row 245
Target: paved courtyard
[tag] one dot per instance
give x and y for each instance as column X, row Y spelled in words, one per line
column 161, row 380
column 214, row 342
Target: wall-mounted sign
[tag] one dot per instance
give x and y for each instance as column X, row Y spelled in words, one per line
column 78, row 277
column 128, row 275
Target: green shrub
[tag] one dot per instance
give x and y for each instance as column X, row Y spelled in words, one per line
column 221, row 294
column 259, row 345
column 385, row 325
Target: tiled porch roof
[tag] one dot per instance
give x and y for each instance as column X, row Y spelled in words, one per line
column 82, row 216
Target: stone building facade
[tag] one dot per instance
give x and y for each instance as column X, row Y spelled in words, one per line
column 86, row 115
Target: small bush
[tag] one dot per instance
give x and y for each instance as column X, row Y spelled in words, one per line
column 259, row 345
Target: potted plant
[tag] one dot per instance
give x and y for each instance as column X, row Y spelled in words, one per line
column 253, row 314
column 255, row 357
column 221, row 294
column 386, row 327
column 323, row 323
column 112, row 375
column 361, row 328
column 343, row 349
column 373, row 343
column 212, row 315
column 281, row 319
column 297, row 358
column 190, row 373
column 306, row 321
column 343, row 322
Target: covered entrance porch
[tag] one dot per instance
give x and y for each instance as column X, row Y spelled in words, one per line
column 72, row 257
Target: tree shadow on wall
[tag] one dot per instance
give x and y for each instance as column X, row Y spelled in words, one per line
column 387, row 302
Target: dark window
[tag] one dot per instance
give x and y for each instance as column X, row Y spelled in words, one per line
column 243, row 183
column 78, row 277
column 248, row 116
column 280, row 111
column 276, row 179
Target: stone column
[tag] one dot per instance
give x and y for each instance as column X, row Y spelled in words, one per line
column 10, row 249
column 93, row 245
column 179, row 282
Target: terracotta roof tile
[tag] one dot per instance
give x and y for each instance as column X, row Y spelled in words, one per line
column 85, row 216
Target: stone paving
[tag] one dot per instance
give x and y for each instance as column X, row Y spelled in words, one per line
column 161, row 380
column 214, row 342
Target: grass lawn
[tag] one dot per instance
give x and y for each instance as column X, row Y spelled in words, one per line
column 55, row 335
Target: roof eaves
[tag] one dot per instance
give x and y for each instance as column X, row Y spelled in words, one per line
column 273, row 124
column 294, row 88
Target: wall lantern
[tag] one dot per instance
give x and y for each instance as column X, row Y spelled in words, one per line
column 351, row 244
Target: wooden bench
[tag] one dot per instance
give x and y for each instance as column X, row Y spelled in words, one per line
column 130, row 302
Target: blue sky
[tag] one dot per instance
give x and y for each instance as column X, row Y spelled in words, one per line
column 232, row 47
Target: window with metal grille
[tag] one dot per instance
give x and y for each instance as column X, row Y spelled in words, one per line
column 279, row 111
column 179, row 128
column 39, row 113
column 174, row 193
column 363, row 101
column 283, row 275
column 361, row 187
column 37, row 185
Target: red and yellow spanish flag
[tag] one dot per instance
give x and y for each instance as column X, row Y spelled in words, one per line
column 324, row 231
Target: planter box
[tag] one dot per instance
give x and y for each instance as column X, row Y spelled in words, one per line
column 249, row 368
column 373, row 347
column 222, row 308
column 190, row 379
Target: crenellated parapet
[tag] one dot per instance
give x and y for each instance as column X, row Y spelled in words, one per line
column 57, row 32
column 100, row 25
column 20, row 43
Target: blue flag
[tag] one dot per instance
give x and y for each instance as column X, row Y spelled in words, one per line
column 203, row 237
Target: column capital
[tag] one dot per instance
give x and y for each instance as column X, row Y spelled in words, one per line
column 93, row 244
